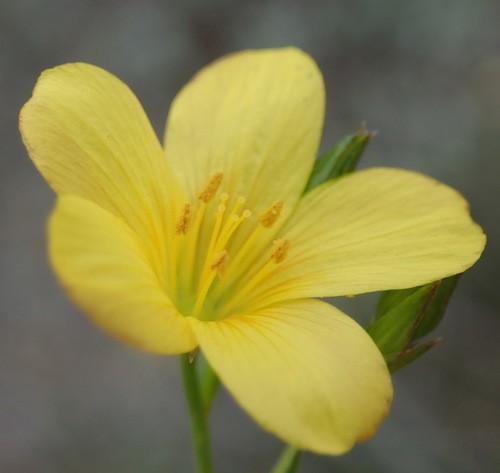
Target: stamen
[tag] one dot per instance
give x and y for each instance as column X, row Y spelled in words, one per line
column 217, row 268
column 190, row 253
column 271, row 214
column 237, row 206
column 232, row 223
column 212, row 187
column 181, row 228
column 219, row 265
column 280, row 252
column 208, row 256
column 221, row 209
column 242, row 261
column 184, row 220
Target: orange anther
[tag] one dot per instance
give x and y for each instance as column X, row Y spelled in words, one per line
column 212, row 187
column 184, row 220
column 280, row 252
column 271, row 214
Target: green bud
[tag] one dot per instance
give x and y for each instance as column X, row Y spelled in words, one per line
column 341, row 159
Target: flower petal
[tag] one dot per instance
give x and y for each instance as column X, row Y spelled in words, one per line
column 304, row 370
column 253, row 116
column 105, row 269
column 373, row 230
column 89, row 136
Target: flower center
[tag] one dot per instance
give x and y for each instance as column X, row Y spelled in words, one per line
column 218, row 256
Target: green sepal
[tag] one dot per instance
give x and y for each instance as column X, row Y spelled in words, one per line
column 339, row 160
column 437, row 308
column 393, row 328
column 408, row 356
column 405, row 316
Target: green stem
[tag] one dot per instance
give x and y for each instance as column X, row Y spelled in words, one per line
column 199, row 428
column 208, row 383
column 288, row 462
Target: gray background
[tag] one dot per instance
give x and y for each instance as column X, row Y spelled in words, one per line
column 425, row 74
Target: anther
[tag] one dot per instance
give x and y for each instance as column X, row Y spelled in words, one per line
column 184, row 220
column 212, row 187
column 220, row 263
column 271, row 214
column 280, row 252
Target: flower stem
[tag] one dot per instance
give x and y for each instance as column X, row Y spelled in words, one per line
column 288, row 462
column 208, row 383
column 199, row 428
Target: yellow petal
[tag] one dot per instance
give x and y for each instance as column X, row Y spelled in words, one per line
column 255, row 116
column 88, row 135
column 105, row 269
column 304, row 370
column 374, row 230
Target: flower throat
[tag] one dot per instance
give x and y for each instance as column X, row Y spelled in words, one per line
column 209, row 276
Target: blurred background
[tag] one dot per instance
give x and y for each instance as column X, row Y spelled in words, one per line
column 424, row 74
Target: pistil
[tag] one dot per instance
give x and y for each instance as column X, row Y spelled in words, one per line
column 202, row 262
column 217, row 256
column 279, row 254
column 241, row 263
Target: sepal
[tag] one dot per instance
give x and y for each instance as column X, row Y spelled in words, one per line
column 403, row 317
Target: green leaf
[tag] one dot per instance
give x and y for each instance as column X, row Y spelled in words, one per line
column 341, row 159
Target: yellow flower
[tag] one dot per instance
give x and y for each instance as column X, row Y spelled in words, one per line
column 210, row 241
